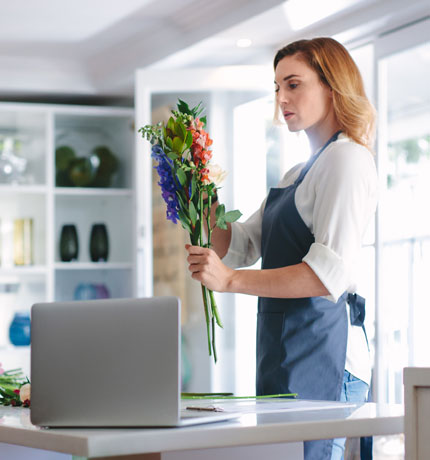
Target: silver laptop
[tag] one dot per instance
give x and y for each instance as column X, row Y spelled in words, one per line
column 111, row 362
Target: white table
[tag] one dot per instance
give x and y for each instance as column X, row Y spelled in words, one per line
column 286, row 422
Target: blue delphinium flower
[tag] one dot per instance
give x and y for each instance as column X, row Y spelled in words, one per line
column 167, row 184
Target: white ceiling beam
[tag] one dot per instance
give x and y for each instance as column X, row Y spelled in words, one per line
column 114, row 68
column 367, row 20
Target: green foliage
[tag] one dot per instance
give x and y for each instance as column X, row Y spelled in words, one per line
column 185, row 221
column 193, row 186
column 173, row 155
column 188, row 140
column 154, row 133
column 232, row 216
column 222, row 217
column 219, row 214
column 194, row 112
column 178, row 144
column 184, row 112
column 182, row 177
column 412, row 150
column 9, row 382
column 193, row 213
column 171, row 125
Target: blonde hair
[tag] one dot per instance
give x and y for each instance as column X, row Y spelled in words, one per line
column 336, row 69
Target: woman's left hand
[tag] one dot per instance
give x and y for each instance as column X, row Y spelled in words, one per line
column 205, row 266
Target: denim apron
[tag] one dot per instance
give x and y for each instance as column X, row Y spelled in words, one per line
column 301, row 343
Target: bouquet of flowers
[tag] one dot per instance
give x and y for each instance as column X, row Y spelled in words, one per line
column 189, row 184
column 14, row 388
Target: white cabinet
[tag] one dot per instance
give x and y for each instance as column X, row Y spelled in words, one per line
column 38, row 130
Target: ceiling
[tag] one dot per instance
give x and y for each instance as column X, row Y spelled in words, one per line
column 93, row 47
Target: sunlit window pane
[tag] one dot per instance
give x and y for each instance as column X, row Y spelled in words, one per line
column 405, row 220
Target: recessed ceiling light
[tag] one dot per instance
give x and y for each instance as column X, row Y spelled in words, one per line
column 243, row 43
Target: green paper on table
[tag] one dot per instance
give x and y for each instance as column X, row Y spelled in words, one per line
column 231, row 396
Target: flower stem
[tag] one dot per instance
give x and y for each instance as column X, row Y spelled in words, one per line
column 205, row 303
column 213, row 339
column 208, row 220
column 215, row 311
column 208, row 312
column 214, row 308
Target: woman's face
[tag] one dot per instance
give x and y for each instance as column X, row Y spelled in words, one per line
column 305, row 102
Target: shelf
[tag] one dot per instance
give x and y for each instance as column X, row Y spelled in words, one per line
column 25, row 349
column 40, row 130
column 24, row 270
column 82, row 191
column 23, row 189
column 93, row 266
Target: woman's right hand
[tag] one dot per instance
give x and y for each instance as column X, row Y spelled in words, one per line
column 206, row 266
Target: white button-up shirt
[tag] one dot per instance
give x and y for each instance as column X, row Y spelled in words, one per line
column 336, row 201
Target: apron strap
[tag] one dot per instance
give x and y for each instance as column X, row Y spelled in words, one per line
column 356, row 309
column 313, row 158
column 357, row 312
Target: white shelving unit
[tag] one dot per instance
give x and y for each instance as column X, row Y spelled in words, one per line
column 41, row 129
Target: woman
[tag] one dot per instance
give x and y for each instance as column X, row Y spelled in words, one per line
column 308, row 233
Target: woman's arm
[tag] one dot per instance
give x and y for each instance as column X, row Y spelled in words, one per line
column 344, row 183
column 294, row 281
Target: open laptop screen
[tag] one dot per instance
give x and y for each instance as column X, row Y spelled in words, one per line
column 110, row 362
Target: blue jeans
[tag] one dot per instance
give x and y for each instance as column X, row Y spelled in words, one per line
column 353, row 390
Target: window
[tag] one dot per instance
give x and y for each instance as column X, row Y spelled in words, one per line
column 403, row 230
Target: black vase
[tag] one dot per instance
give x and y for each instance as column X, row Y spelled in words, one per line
column 99, row 243
column 69, row 245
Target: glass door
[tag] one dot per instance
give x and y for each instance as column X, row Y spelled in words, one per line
column 403, row 221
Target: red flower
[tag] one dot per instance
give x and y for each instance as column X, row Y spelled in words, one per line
column 205, row 176
column 16, row 391
column 195, row 134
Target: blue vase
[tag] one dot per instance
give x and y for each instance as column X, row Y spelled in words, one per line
column 85, row 291
column 19, row 330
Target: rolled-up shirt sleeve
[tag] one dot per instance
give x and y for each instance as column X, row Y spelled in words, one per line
column 345, row 192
